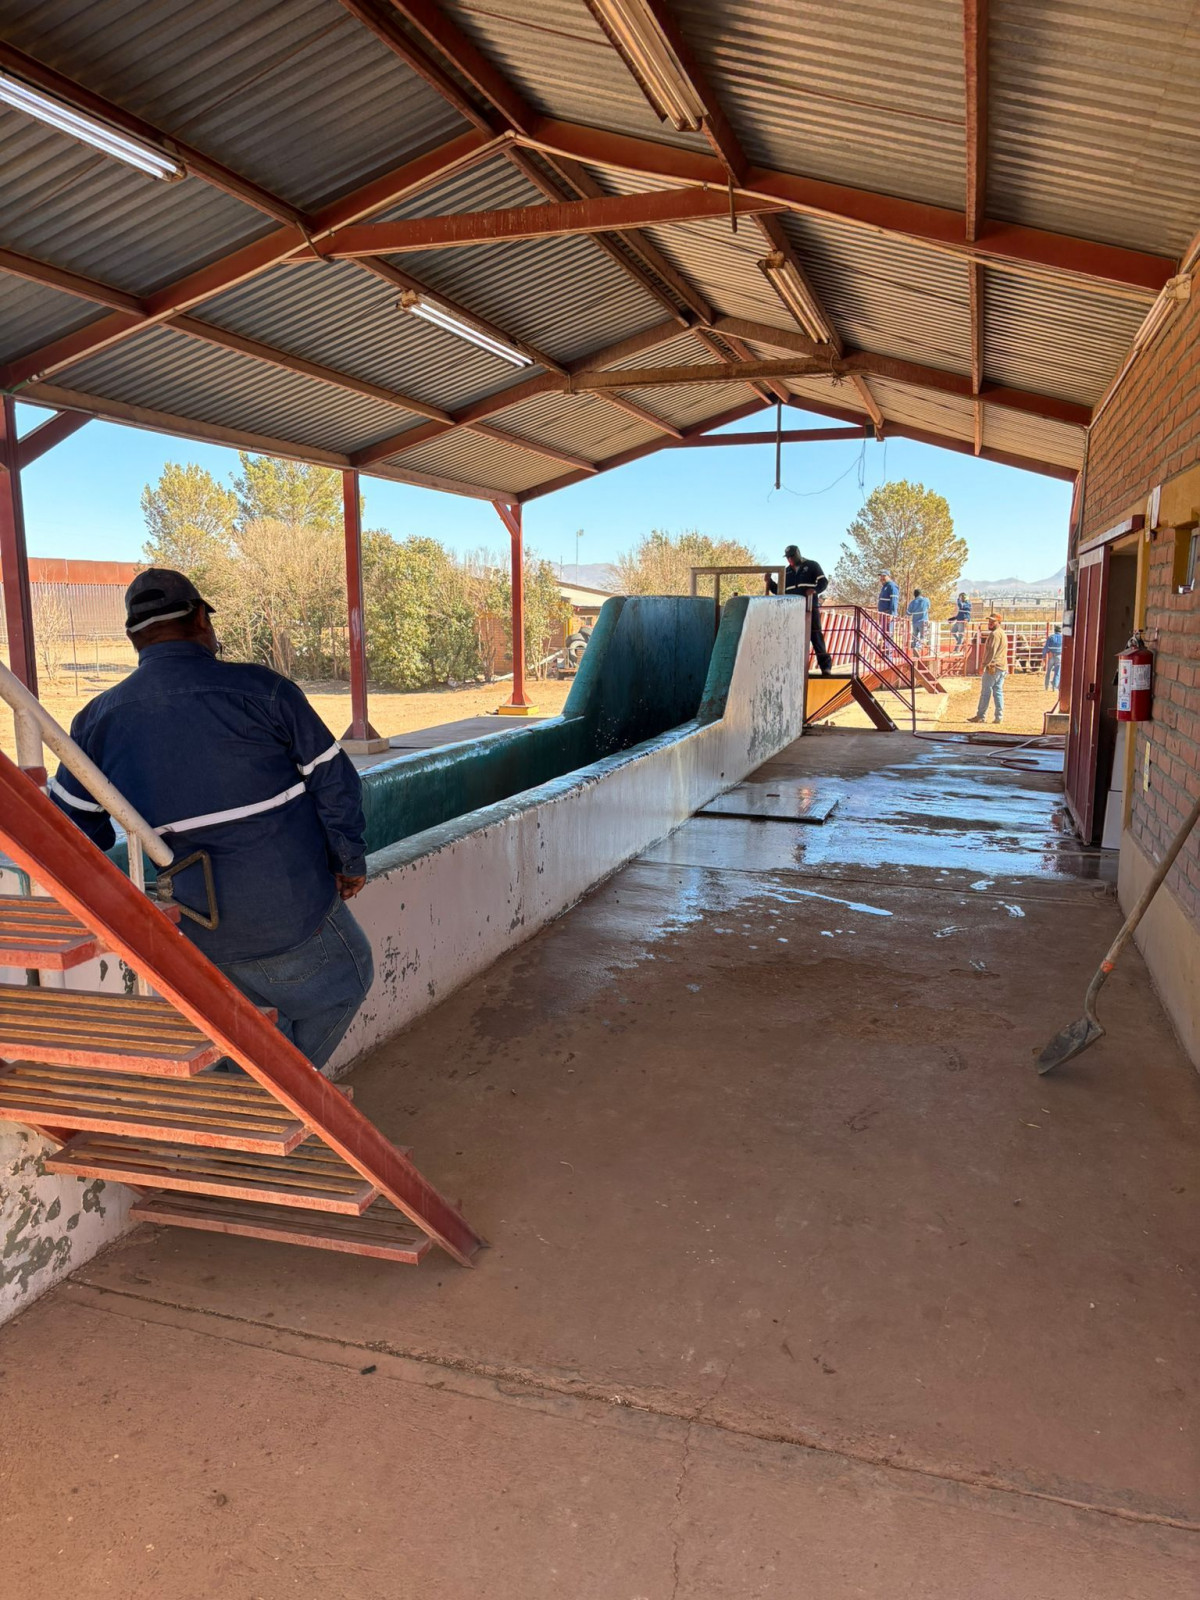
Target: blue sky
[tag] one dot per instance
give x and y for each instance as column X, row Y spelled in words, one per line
column 83, row 499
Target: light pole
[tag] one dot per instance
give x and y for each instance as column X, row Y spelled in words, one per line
column 578, row 536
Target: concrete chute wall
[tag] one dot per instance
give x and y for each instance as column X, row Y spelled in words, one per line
column 442, row 905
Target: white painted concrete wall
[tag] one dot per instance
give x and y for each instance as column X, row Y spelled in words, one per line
column 442, row 906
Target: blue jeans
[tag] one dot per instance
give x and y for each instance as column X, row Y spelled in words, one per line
column 1052, row 669
column 317, row 986
column 993, row 689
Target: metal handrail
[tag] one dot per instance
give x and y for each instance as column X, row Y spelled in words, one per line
column 30, row 711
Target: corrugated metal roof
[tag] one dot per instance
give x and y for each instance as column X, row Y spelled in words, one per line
column 580, row 424
column 561, row 60
column 862, row 92
column 1094, row 119
column 1053, row 336
column 64, row 203
column 339, row 315
column 1031, row 437
column 296, row 94
column 1093, row 123
column 473, row 459
column 165, row 371
column 31, row 314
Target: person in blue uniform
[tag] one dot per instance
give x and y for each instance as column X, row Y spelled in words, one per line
column 230, row 758
column 918, row 611
column 888, row 603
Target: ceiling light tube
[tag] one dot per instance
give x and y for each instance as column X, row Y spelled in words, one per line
column 794, row 292
column 647, row 52
column 101, row 136
column 429, row 312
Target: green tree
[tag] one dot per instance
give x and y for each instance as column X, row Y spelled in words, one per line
column 546, row 613
column 189, row 523
column 907, row 530
column 288, row 491
column 420, row 623
column 661, row 563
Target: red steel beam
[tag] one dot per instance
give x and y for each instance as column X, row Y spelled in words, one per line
column 748, row 409
column 49, row 433
column 468, row 60
column 14, row 557
column 1003, row 458
column 59, row 858
column 382, row 22
column 527, row 389
column 35, row 271
column 704, row 441
column 975, row 71
column 606, row 214
column 1034, row 248
column 234, row 268
column 622, row 402
column 510, row 516
column 216, row 433
column 869, row 364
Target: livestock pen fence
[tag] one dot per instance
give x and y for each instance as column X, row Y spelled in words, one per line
column 78, row 618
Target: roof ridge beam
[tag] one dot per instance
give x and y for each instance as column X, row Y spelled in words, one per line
column 1035, row 249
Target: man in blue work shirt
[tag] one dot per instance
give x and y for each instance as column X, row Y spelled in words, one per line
column 918, row 610
column 231, row 759
column 958, row 622
column 1052, row 656
column 888, row 603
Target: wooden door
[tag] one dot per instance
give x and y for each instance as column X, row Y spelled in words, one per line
column 1083, row 736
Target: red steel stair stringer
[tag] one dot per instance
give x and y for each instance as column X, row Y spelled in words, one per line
column 65, row 863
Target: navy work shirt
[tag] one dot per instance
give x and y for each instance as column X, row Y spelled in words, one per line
column 889, row 598
column 232, row 759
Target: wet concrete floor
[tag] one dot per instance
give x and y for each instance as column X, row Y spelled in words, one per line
column 801, row 1281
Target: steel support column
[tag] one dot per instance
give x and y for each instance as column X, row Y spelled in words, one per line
column 14, row 558
column 518, row 705
column 360, row 737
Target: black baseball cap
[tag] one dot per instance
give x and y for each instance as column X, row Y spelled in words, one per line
column 160, row 595
column 793, row 550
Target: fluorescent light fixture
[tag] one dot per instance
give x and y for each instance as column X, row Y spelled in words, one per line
column 641, row 42
column 796, row 295
column 100, row 135
column 429, row 312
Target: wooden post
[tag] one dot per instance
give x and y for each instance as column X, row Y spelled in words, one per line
column 360, row 738
column 518, row 704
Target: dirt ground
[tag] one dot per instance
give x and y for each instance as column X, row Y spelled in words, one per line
column 391, row 712
column 802, row 1283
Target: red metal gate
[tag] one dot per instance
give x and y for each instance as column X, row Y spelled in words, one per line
column 1083, row 737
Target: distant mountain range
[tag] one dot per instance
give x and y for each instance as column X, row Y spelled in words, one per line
column 1016, row 585
column 590, row 574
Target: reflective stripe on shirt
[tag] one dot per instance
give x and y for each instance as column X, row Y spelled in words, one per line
column 236, row 813
column 72, row 799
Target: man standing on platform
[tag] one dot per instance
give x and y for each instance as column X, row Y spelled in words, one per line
column 888, row 603
column 807, row 578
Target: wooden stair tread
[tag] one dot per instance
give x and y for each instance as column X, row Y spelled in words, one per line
column 35, row 932
column 381, row 1231
column 214, row 1110
column 131, row 1033
column 311, row 1176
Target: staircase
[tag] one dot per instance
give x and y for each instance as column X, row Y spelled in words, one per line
column 871, row 669
column 124, row 1085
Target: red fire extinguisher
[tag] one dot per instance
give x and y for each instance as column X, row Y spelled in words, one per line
column 1135, row 681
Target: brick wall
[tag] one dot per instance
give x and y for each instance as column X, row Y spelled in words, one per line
column 1150, row 434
